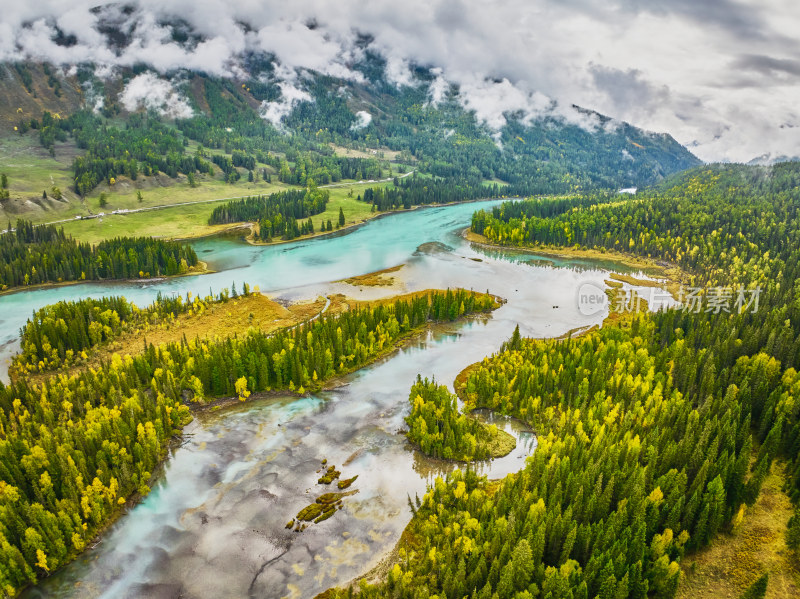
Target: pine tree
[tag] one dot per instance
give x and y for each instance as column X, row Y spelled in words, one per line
column 515, row 343
column 793, row 531
column 758, row 589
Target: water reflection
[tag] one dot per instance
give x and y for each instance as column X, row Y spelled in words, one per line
column 429, row 468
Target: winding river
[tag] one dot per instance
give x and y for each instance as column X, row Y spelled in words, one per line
column 214, row 524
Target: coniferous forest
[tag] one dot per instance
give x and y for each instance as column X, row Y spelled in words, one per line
column 440, row 430
column 418, row 191
column 35, row 254
column 655, row 435
column 277, row 214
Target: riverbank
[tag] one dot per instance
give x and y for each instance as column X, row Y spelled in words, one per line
column 201, row 269
column 674, row 276
column 339, row 380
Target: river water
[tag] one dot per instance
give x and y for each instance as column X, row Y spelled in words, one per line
column 214, row 524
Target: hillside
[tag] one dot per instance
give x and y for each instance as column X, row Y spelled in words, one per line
column 141, row 139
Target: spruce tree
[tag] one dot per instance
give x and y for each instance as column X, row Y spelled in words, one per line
column 758, row 589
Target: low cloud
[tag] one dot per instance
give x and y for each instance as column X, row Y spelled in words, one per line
column 363, row 119
column 628, row 90
column 291, row 95
column 150, row 92
column 722, row 76
column 438, row 88
column 780, row 68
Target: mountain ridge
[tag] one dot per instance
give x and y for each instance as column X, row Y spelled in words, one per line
column 263, row 113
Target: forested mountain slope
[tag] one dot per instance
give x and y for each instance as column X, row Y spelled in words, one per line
column 247, row 126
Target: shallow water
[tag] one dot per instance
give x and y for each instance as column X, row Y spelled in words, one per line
column 214, row 524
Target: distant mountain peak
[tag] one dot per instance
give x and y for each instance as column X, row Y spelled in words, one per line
column 769, row 159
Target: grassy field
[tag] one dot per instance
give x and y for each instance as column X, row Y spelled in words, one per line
column 382, row 154
column 495, row 181
column 163, row 190
column 30, row 170
column 192, row 220
column 180, row 221
column 354, row 211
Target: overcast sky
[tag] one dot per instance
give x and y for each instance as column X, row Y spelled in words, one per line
column 721, row 76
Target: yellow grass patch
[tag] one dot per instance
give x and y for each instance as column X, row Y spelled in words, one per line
column 501, row 443
column 381, row 153
column 379, row 278
column 631, row 280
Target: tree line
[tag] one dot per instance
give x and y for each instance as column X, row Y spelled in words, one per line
column 730, row 222
column 654, row 435
column 276, row 214
column 33, row 254
column 145, row 145
column 73, row 449
column 416, row 191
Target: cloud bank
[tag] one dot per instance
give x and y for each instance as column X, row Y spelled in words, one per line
column 722, row 76
column 148, row 91
column 276, row 111
column 363, row 119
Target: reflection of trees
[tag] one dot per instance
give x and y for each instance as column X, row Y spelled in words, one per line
column 429, row 468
